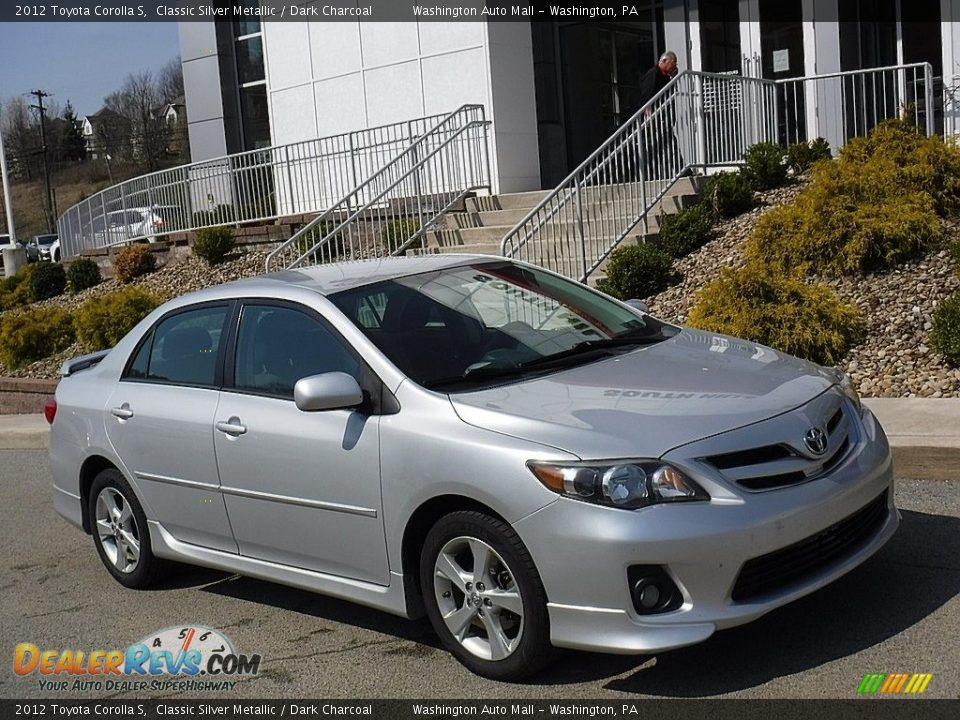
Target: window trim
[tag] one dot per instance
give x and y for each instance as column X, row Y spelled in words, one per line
column 150, row 334
column 378, row 400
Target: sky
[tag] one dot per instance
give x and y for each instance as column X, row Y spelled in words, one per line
column 80, row 61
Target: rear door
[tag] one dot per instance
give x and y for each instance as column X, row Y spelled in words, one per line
column 160, row 422
column 301, row 488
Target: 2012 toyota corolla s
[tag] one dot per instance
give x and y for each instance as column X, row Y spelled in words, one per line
column 527, row 461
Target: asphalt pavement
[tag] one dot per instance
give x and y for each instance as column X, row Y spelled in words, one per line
column 899, row 612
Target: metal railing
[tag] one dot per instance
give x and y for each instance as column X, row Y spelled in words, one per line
column 257, row 185
column 391, row 210
column 844, row 105
column 699, row 121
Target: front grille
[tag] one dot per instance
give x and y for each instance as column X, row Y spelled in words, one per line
column 782, row 568
column 767, row 482
column 753, row 456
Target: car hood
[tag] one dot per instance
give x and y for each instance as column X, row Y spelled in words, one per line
column 650, row 400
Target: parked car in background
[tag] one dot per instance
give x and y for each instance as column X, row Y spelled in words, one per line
column 51, row 252
column 39, row 246
column 524, row 459
column 137, row 223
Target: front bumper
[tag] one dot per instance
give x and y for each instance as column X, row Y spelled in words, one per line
column 583, row 551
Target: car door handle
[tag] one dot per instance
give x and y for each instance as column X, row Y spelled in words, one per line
column 123, row 412
column 231, row 427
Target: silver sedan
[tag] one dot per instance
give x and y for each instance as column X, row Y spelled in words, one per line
column 527, row 461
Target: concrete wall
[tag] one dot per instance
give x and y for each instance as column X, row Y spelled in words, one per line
column 329, row 78
column 201, row 79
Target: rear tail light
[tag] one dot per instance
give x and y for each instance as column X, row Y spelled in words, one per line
column 50, row 410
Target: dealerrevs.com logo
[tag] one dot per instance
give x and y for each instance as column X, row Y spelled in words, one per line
column 185, row 658
column 894, row 683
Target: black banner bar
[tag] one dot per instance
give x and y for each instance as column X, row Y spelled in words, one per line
column 368, row 10
column 860, row 709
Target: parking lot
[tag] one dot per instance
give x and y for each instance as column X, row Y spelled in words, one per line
column 899, row 612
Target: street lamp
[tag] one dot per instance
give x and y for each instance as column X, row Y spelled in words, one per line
column 14, row 256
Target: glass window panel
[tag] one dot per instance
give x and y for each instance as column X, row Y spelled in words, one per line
column 250, row 60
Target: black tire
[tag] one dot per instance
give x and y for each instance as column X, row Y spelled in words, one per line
column 148, row 567
column 534, row 650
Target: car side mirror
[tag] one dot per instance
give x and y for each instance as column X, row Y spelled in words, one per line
column 327, row 391
column 638, row 305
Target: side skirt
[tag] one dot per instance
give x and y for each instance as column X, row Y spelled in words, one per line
column 390, row 598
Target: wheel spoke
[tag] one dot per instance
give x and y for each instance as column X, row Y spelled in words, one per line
column 506, row 600
column 132, row 545
column 121, row 561
column 499, row 644
column 481, row 561
column 126, row 514
column 104, row 528
column 459, row 620
column 447, row 568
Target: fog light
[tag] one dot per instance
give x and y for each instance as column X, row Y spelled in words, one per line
column 652, row 590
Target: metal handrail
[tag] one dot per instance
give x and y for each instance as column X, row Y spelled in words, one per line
column 392, row 198
column 251, row 186
column 697, row 121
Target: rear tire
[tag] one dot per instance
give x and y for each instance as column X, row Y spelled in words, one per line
column 120, row 534
column 484, row 597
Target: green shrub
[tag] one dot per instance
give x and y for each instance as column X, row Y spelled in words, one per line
column 47, row 280
column 764, row 166
column 728, row 193
column 833, row 234
column 102, row 322
column 133, row 261
column 396, row 232
column 945, row 336
column 801, row 156
column 82, row 274
column 637, row 271
column 17, row 289
column 682, row 233
column 214, row 244
column 781, row 311
column 30, row 335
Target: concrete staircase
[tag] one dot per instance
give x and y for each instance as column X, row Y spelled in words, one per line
column 484, row 221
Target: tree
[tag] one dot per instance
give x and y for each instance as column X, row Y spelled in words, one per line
column 170, row 81
column 74, row 144
column 138, row 102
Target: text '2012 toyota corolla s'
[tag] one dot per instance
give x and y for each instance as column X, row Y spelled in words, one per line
column 527, row 461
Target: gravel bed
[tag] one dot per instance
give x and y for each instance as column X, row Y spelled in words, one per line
column 895, row 359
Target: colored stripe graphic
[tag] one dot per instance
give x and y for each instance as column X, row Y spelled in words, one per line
column 894, row 683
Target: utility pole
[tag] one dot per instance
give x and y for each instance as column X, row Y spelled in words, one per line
column 7, row 201
column 40, row 95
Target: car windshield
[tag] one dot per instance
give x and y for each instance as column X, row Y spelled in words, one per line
column 492, row 323
column 45, row 239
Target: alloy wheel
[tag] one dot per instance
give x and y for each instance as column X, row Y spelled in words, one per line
column 117, row 530
column 478, row 598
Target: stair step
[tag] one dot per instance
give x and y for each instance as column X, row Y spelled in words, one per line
column 488, row 218
column 593, row 229
column 529, row 199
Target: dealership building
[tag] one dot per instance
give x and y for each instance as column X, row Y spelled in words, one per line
column 553, row 90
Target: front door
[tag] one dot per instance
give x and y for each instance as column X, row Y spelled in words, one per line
column 160, row 419
column 301, row 488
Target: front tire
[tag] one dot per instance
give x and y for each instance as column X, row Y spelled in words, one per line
column 484, row 597
column 120, row 532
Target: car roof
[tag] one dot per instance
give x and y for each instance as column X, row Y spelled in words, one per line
column 335, row 277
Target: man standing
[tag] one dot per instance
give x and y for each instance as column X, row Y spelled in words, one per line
column 658, row 142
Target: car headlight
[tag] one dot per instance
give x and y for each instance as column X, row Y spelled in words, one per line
column 626, row 484
column 846, row 384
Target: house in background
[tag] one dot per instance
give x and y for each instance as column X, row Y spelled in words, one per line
column 554, row 90
column 106, row 133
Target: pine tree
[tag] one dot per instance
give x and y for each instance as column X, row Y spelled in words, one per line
column 74, row 144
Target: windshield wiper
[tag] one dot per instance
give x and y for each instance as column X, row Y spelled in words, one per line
column 588, row 347
column 479, row 373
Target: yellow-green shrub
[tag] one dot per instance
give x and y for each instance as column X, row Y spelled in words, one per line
column 133, row 261
column 835, row 235
column 102, row 322
column 17, row 289
column 784, row 312
column 30, row 335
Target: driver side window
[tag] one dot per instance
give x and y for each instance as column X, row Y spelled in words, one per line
column 277, row 346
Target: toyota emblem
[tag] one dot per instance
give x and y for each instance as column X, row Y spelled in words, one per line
column 816, row 441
